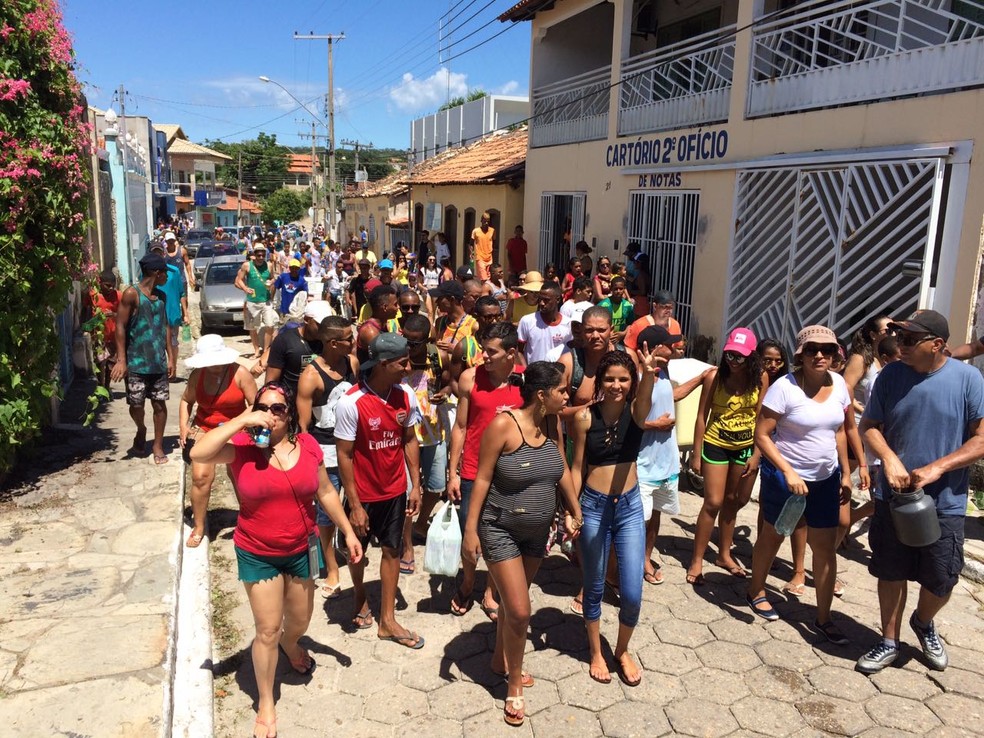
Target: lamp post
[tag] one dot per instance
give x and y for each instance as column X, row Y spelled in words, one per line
column 331, row 147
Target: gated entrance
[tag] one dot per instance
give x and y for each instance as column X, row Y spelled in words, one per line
column 833, row 245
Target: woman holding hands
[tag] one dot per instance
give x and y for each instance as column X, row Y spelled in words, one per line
column 276, row 539
column 513, row 502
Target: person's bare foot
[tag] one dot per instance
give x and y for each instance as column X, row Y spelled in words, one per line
column 732, row 567
column 159, row 456
column 628, row 672
column 139, row 446
column 598, row 670
column 265, row 725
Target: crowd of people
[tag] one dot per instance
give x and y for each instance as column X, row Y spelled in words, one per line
column 545, row 408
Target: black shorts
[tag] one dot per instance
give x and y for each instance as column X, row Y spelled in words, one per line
column 936, row 567
column 720, row 456
column 386, row 520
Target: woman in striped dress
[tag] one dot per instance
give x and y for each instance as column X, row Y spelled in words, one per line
column 512, row 506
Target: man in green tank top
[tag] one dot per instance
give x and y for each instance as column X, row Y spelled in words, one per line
column 145, row 354
column 255, row 278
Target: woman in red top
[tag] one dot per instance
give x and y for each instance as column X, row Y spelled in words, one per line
column 222, row 389
column 275, row 531
column 105, row 302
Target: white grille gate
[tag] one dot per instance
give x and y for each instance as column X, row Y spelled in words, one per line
column 832, row 245
column 546, row 229
column 665, row 225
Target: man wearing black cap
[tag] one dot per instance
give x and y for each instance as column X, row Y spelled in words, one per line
column 376, row 444
column 924, row 422
column 145, row 355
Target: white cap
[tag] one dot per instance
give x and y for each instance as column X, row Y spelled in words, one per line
column 169, row 236
column 318, row 310
column 577, row 311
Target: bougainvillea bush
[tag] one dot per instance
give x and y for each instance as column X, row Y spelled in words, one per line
column 44, row 189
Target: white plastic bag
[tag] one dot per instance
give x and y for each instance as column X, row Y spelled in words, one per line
column 443, row 550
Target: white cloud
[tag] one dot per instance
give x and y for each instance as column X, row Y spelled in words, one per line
column 242, row 90
column 413, row 95
column 511, row 87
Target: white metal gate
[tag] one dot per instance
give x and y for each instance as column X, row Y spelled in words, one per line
column 665, row 225
column 833, row 245
column 560, row 211
column 547, row 205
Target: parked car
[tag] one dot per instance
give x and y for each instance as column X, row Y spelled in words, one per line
column 221, row 301
column 205, row 253
column 195, row 238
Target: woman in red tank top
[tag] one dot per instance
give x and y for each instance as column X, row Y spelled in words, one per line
column 221, row 389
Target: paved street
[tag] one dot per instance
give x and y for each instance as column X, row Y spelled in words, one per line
column 711, row 668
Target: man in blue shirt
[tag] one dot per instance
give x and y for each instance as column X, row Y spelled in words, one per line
column 924, row 423
column 175, row 297
column 290, row 283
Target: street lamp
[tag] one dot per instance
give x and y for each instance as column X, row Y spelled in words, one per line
column 264, row 78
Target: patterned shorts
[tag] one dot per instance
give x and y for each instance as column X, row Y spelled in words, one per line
column 139, row 387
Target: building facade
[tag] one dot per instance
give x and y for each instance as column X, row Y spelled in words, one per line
column 465, row 124
column 781, row 163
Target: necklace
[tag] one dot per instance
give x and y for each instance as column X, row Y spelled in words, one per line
column 611, row 429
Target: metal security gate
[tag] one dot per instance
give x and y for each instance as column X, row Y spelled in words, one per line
column 665, row 225
column 562, row 223
column 833, row 245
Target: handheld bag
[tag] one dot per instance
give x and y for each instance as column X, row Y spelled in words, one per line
column 443, row 550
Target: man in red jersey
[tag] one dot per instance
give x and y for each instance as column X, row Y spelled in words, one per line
column 376, row 443
column 484, row 391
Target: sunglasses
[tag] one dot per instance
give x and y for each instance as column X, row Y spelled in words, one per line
column 414, row 344
column 904, row 338
column 827, row 349
column 410, row 308
column 734, row 357
column 278, row 408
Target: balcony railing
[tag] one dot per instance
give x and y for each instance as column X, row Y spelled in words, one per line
column 678, row 86
column 852, row 52
column 572, row 110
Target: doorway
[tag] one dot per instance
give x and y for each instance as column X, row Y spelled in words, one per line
column 451, row 231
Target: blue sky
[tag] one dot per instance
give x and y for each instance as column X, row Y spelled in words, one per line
column 198, row 63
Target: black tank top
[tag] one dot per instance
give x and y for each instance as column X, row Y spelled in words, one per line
column 609, row 445
column 323, row 405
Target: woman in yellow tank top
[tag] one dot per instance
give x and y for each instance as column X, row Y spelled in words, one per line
column 724, row 447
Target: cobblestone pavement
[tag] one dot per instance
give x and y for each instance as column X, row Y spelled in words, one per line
column 710, row 667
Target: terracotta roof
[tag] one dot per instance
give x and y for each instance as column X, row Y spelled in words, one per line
column 181, row 146
column 392, row 184
column 232, row 203
column 525, row 10
column 300, row 164
column 496, row 159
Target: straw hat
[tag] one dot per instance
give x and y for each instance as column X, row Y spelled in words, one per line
column 533, row 282
column 210, row 350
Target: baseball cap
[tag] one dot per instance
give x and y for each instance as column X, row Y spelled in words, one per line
column 657, row 335
column 293, row 263
column 385, row 264
column 318, row 310
column 153, row 263
column 464, row 272
column 924, row 321
column 385, row 347
column 741, row 341
column 169, row 236
column 157, row 248
column 814, row 334
column 451, row 288
column 533, row 282
column 577, row 312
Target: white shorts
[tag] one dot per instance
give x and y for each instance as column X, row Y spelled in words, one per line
column 662, row 496
column 259, row 315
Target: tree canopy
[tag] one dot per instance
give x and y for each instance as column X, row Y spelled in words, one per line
column 285, row 205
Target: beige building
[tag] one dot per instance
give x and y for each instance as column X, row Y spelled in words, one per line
column 780, row 162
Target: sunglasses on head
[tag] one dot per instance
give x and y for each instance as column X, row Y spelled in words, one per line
column 734, row 357
column 278, row 408
column 827, row 349
column 905, row 338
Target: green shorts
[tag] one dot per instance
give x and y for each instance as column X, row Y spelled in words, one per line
column 256, row 568
column 712, row 454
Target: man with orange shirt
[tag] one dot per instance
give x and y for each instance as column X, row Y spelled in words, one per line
column 482, row 240
column 663, row 303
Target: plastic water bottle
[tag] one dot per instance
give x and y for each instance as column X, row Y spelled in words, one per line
column 791, row 513
column 262, row 438
column 186, row 333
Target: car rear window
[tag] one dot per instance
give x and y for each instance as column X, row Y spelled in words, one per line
column 221, row 273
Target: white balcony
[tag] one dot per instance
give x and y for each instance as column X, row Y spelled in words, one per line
column 572, row 110
column 852, row 52
column 679, row 86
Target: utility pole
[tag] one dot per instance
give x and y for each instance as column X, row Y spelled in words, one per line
column 330, row 38
column 239, row 191
column 315, row 191
column 357, row 145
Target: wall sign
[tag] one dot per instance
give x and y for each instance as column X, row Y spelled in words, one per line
column 683, row 149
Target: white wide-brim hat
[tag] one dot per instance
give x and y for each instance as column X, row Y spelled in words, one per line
column 211, row 351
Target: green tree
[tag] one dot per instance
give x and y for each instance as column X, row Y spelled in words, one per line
column 285, row 205
column 264, row 163
column 477, row 94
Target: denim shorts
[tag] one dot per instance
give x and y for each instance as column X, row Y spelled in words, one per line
column 822, row 501
column 257, row 568
column 321, row 517
column 662, row 496
column 434, row 467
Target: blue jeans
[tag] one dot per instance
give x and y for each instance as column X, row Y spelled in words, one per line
column 608, row 520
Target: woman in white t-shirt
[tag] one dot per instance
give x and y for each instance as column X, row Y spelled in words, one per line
column 804, row 452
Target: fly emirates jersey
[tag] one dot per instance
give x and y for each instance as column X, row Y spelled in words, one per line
column 376, row 424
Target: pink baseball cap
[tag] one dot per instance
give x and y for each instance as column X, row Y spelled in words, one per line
column 741, row 341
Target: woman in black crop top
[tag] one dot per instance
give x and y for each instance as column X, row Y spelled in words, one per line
column 607, row 436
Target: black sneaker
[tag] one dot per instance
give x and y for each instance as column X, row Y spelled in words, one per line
column 932, row 646
column 831, row 632
column 877, row 658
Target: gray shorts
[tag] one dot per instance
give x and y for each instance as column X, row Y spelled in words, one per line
column 259, row 315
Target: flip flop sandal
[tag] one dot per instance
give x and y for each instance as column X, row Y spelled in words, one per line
column 577, row 606
column 407, row 567
column 363, row 620
column 418, row 641
column 625, row 680
column 656, row 577
column 600, row 680
column 492, row 613
column 696, row 580
column 518, row 715
column 195, row 540
column 461, row 604
column 330, row 591
column 272, row 724
column 795, row 590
